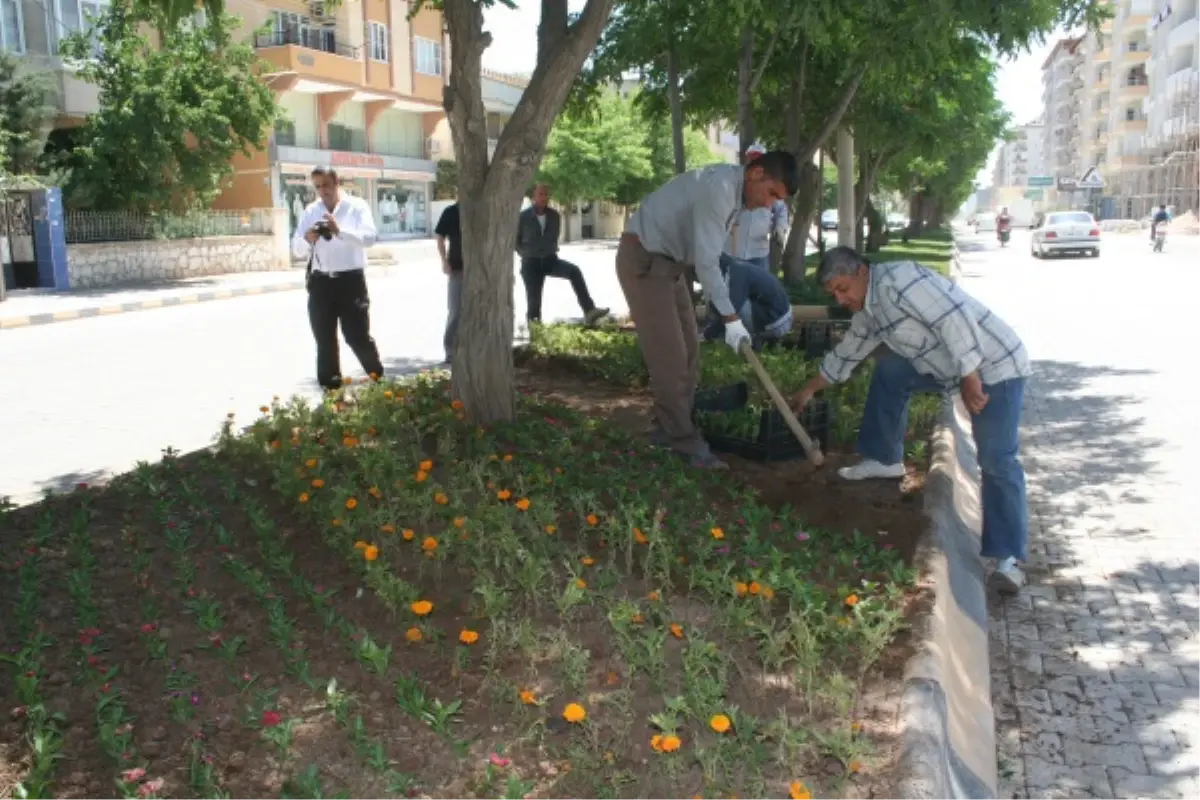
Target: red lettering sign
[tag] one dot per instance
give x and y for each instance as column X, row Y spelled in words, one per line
column 338, row 159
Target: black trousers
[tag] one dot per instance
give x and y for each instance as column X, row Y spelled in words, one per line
column 341, row 298
column 534, row 272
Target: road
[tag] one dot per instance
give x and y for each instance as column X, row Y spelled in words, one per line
column 1094, row 667
column 85, row 399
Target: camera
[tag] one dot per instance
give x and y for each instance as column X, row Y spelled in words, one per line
column 323, row 230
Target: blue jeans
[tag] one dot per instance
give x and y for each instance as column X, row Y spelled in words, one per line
column 996, row 431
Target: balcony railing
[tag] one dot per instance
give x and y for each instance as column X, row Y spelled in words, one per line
column 347, row 140
column 308, row 38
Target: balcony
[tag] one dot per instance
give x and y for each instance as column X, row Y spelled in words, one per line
column 1133, row 90
column 1184, row 33
column 347, row 140
column 311, row 53
column 1131, row 126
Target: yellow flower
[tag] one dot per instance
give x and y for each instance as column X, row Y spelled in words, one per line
column 740, row 589
column 580, row 583
column 574, row 713
column 523, row 504
column 587, row 561
column 768, row 593
column 717, row 533
column 370, row 552
column 653, row 597
column 408, row 534
column 318, row 483
column 429, row 544
column 550, row 529
column 388, row 528
column 676, row 630
column 421, row 607
column 720, row 723
column 468, row 636
column 351, row 504
column 855, row 765
column 335, row 522
column 303, row 498
column 263, row 409
column 312, row 462
column 425, row 466
column 414, row 634
column 798, row 791
column 852, row 600
column 528, row 697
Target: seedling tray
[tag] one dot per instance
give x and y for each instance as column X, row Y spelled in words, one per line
column 774, row 440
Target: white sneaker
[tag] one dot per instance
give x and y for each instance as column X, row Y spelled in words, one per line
column 1008, row 577
column 869, row 468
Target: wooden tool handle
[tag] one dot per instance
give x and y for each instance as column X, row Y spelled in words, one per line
column 810, row 447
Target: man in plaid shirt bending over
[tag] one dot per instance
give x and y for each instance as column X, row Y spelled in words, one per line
column 939, row 338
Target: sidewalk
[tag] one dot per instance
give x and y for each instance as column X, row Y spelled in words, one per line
column 25, row 307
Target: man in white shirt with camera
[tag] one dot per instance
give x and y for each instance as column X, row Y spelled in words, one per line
column 333, row 234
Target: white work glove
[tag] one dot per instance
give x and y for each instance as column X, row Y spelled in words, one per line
column 735, row 334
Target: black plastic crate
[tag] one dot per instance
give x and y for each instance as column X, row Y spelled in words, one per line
column 816, row 337
column 774, row 440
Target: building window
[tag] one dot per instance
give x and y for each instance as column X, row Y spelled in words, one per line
column 12, row 34
column 78, row 16
column 428, row 56
column 378, row 41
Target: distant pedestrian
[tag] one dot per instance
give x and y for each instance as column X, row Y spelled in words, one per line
column 537, row 243
column 334, row 233
column 940, row 338
column 449, row 244
column 678, row 230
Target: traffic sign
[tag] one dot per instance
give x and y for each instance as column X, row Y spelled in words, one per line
column 1040, row 180
column 1035, row 194
column 1067, row 184
column 1092, row 179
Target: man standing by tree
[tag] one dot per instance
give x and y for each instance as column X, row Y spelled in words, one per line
column 537, row 243
column 333, row 234
column 449, row 244
column 678, row 229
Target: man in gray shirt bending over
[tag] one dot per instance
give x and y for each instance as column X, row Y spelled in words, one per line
column 537, row 244
column 680, row 227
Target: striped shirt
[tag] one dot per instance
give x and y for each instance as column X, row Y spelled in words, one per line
column 929, row 320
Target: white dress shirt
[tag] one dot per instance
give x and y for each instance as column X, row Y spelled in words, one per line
column 751, row 235
column 927, row 319
column 347, row 250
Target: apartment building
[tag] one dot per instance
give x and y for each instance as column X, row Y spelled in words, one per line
column 1021, row 158
column 1174, row 73
column 1062, row 98
column 1130, row 86
column 1095, row 99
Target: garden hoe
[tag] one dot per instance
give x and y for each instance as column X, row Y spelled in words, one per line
column 810, row 447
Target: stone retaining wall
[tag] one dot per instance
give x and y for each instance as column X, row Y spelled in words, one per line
column 92, row 265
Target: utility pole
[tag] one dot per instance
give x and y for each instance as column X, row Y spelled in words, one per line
column 845, row 165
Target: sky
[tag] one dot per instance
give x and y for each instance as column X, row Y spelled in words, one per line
column 514, row 49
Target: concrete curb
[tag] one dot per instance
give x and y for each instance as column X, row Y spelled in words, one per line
column 948, row 741
column 145, row 305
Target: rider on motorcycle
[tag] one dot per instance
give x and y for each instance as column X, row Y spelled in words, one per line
column 1003, row 225
column 1160, row 216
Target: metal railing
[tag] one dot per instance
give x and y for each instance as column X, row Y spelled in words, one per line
column 348, row 140
column 94, row 227
column 312, row 39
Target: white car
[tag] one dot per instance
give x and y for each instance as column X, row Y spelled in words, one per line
column 1066, row 232
column 984, row 222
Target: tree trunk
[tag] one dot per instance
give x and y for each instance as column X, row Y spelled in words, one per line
column 490, row 193
column 868, row 170
column 916, row 219
column 745, row 96
column 807, row 201
column 876, row 229
column 675, row 101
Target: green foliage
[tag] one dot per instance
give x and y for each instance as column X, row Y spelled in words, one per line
column 26, row 112
column 170, row 118
column 446, row 187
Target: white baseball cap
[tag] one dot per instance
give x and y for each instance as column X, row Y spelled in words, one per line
column 755, row 150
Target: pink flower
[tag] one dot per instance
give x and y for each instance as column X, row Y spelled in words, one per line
column 499, row 760
column 150, row 787
column 801, row 536
column 133, row 775
column 271, row 718
column 149, row 627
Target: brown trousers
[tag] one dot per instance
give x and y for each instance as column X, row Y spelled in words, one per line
column 657, row 290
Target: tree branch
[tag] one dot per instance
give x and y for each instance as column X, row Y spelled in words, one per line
column 796, row 103
column 835, row 118
column 766, row 59
column 552, row 28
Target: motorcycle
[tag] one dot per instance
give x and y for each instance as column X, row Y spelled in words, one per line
column 1002, row 236
column 1160, row 238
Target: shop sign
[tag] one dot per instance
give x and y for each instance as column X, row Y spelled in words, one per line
column 341, row 159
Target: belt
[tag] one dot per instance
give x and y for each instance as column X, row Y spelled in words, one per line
column 344, row 273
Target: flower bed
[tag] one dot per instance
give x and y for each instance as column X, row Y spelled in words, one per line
column 375, row 598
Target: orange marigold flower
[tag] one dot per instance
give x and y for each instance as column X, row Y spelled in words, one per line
column 318, row 483
column 640, row 537
column 420, row 476
column 654, row 596
column 523, row 504
column 370, row 552
column 264, row 409
column 550, row 529
column 335, row 522
column 587, row 561
column 754, row 587
column 528, row 697
column 768, row 593
column 508, row 457
column 580, row 583
column 460, row 522
column 676, row 630
column 798, row 791
column 637, row 619
column 414, row 634
column 717, row 533
column 852, row 600
column 312, row 462
column 740, row 589
column 350, row 441
column 720, row 723
column 468, row 636
column 421, row 607
column 351, row 504
column 303, row 498
column 429, row 544
column 441, row 499
column 503, row 494
column 360, row 545
column 855, row 765
column 456, row 405
column 425, row 465
column 388, row 394
column 388, row 528
column 574, row 713
column 408, row 534
column 671, row 743
column 374, row 492
column 656, row 742
column 592, row 519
